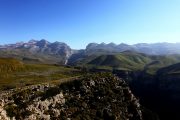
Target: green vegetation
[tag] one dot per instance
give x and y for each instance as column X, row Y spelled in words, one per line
column 133, row 61
column 159, row 62
column 129, row 61
column 8, row 65
column 170, row 70
column 14, row 73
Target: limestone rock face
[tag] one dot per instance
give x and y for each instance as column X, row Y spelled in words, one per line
column 3, row 114
column 40, row 108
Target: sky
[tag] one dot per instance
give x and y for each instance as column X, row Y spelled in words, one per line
column 79, row 22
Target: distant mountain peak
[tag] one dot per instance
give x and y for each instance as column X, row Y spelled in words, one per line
column 32, row 41
column 42, row 43
column 103, row 43
column 112, row 44
column 90, row 45
column 41, row 48
column 146, row 48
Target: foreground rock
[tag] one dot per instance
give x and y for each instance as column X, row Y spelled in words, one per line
column 94, row 97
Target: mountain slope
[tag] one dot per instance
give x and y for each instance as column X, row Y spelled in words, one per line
column 38, row 51
column 129, row 60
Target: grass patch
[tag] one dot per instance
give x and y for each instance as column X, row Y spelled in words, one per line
column 35, row 74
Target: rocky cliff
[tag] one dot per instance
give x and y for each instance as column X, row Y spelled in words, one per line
column 99, row 97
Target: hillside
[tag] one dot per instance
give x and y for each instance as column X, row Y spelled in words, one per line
column 14, row 73
column 8, row 65
column 129, row 60
column 169, row 81
column 172, row 69
column 124, row 60
column 160, row 62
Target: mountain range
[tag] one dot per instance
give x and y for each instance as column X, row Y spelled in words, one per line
column 61, row 53
column 151, row 49
column 38, row 51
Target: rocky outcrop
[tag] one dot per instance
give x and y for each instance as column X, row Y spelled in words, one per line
column 3, row 113
column 99, row 96
column 41, row 109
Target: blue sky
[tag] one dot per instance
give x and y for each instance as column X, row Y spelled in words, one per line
column 79, row 22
